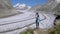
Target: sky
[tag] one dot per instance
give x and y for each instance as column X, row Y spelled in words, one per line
column 28, row 2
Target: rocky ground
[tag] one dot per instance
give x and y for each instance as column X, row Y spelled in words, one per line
column 41, row 31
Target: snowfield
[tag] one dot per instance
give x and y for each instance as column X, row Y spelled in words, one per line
column 18, row 23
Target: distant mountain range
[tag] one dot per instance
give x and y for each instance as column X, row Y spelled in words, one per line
column 21, row 6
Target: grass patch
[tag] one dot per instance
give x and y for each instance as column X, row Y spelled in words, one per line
column 55, row 30
column 28, row 31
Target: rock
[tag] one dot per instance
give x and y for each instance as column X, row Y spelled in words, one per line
column 6, row 9
column 41, row 31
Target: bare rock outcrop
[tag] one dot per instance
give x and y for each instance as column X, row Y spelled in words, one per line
column 6, row 8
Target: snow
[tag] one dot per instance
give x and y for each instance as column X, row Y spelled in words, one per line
column 14, row 24
column 21, row 6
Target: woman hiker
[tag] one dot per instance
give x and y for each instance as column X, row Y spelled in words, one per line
column 37, row 20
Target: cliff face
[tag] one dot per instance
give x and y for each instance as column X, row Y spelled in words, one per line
column 6, row 9
column 52, row 6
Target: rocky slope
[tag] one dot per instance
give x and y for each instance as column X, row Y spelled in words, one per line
column 51, row 6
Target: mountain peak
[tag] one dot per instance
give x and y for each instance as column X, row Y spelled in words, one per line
column 21, row 6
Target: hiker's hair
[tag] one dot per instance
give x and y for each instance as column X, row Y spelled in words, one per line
column 37, row 13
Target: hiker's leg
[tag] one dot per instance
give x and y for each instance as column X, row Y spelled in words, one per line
column 36, row 25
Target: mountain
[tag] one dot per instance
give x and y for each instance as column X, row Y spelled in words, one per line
column 6, row 9
column 21, row 6
column 52, row 6
column 58, row 1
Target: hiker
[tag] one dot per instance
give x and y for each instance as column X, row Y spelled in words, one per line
column 54, row 22
column 37, row 20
